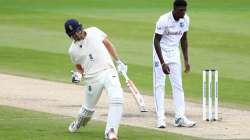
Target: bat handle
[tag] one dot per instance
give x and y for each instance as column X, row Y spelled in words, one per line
column 125, row 75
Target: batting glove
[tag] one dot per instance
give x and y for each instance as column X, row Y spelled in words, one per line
column 76, row 77
column 121, row 67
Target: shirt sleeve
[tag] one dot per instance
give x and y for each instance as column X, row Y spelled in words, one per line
column 100, row 33
column 187, row 23
column 160, row 27
column 70, row 54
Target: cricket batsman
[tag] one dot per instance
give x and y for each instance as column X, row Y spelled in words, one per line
column 91, row 53
column 171, row 30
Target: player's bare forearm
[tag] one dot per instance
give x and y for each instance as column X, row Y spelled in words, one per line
column 184, row 46
column 157, row 47
column 110, row 48
column 79, row 68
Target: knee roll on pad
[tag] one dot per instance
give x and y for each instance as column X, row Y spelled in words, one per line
column 116, row 101
column 159, row 85
column 85, row 116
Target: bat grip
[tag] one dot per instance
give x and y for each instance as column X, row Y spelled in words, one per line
column 125, row 76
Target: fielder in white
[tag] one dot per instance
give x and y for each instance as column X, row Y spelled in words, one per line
column 91, row 53
column 171, row 29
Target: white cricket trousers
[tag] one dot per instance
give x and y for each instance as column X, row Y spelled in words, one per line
column 159, row 89
column 109, row 80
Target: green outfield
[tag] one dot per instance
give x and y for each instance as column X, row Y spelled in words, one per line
column 26, row 125
column 33, row 44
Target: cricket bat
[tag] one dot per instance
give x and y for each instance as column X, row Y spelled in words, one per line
column 136, row 93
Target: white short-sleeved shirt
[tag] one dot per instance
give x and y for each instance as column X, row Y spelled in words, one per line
column 91, row 53
column 171, row 30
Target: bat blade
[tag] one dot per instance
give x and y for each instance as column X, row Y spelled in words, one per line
column 137, row 95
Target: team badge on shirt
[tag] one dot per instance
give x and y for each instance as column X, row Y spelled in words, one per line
column 181, row 24
column 91, row 57
column 157, row 64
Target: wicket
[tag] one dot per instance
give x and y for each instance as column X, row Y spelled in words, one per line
column 210, row 73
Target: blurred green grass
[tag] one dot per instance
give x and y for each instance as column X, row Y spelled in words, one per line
column 28, row 125
column 33, row 42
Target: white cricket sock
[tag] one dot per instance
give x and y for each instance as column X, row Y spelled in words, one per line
column 114, row 117
column 159, row 95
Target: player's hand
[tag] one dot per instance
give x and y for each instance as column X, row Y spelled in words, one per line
column 165, row 68
column 187, row 67
column 121, row 67
column 76, row 77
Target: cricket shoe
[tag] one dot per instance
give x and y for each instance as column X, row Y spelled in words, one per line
column 74, row 126
column 161, row 124
column 184, row 122
column 111, row 135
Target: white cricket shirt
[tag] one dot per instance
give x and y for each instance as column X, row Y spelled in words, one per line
column 171, row 30
column 91, row 53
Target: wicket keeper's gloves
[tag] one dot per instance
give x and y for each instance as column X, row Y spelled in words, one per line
column 121, row 67
column 76, row 77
